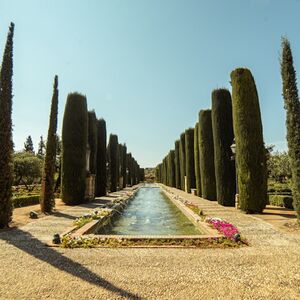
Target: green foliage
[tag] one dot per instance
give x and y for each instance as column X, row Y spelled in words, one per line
column 189, row 159
column 113, row 162
column 292, row 106
column 281, row 200
column 27, row 168
column 177, row 165
column 74, row 146
column 250, row 150
column 279, row 167
column 28, row 145
column 206, row 149
column 197, row 159
column 47, row 193
column 101, row 173
column 223, row 138
column 182, row 161
column 25, row 200
column 6, row 143
column 92, row 140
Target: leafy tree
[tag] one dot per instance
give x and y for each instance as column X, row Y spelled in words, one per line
column 27, row 168
column 292, row 107
column 279, row 167
column 28, row 145
column 6, row 143
column 47, row 194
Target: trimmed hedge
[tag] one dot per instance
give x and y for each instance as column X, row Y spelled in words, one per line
column 177, row 165
column 182, row 161
column 221, row 114
column 250, row 150
column 281, row 200
column 74, row 147
column 27, row 200
column 197, row 159
column 189, row 160
column 206, row 148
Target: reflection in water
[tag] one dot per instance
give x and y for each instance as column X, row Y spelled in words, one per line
column 151, row 213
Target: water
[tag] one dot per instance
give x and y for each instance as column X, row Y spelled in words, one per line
column 152, row 213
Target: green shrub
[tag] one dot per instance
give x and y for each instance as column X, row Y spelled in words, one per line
column 250, row 150
column 206, row 148
column 74, row 146
column 27, row 200
column 222, row 126
column 281, row 200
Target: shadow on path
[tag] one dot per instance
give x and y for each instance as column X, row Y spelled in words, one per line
column 29, row 244
column 63, row 215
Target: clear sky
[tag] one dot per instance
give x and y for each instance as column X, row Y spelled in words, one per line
column 146, row 67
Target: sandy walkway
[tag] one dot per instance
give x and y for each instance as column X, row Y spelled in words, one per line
column 268, row 269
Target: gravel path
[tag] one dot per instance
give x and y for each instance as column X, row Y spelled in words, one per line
column 268, row 269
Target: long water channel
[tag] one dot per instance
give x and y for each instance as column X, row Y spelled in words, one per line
column 150, row 212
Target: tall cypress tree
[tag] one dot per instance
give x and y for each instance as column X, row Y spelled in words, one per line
column 74, row 147
column 182, row 161
column 206, row 148
column 123, row 164
column 197, row 159
column 6, row 143
column 101, row 172
column 250, row 150
column 171, row 166
column 129, row 168
column 189, row 160
column 177, row 165
column 292, row 106
column 28, row 145
column 47, row 200
column 93, row 140
column 113, row 162
column 223, row 138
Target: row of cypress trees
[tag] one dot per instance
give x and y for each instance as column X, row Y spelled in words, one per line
column 203, row 156
column 112, row 166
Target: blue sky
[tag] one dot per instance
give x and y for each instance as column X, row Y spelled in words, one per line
column 147, row 67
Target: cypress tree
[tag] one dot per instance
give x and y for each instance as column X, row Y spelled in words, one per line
column 292, row 107
column 74, row 146
column 42, row 147
column 6, row 143
column 197, row 159
column 206, row 149
column 123, row 164
column 129, row 168
column 223, row 137
column 142, row 174
column 113, row 162
column 189, row 159
column 101, row 177
column 28, row 145
column 47, row 199
column 177, row 165
column 93, row 140
column 182, row 161
column 171, row 166
column 250, row 150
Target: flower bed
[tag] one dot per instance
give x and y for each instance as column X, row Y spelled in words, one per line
column 227, row 229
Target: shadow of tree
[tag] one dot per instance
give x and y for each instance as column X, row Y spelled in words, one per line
column 31, row 245
column 63, row 215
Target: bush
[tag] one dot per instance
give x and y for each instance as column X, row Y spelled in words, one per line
column 27, row 200
column 281, row 200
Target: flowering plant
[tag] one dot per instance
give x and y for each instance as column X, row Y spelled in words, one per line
column 227, row 229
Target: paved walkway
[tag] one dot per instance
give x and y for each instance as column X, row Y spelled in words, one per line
column 269, row 268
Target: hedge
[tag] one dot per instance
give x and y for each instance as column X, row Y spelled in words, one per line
column 25, row 200
column 281, row 200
